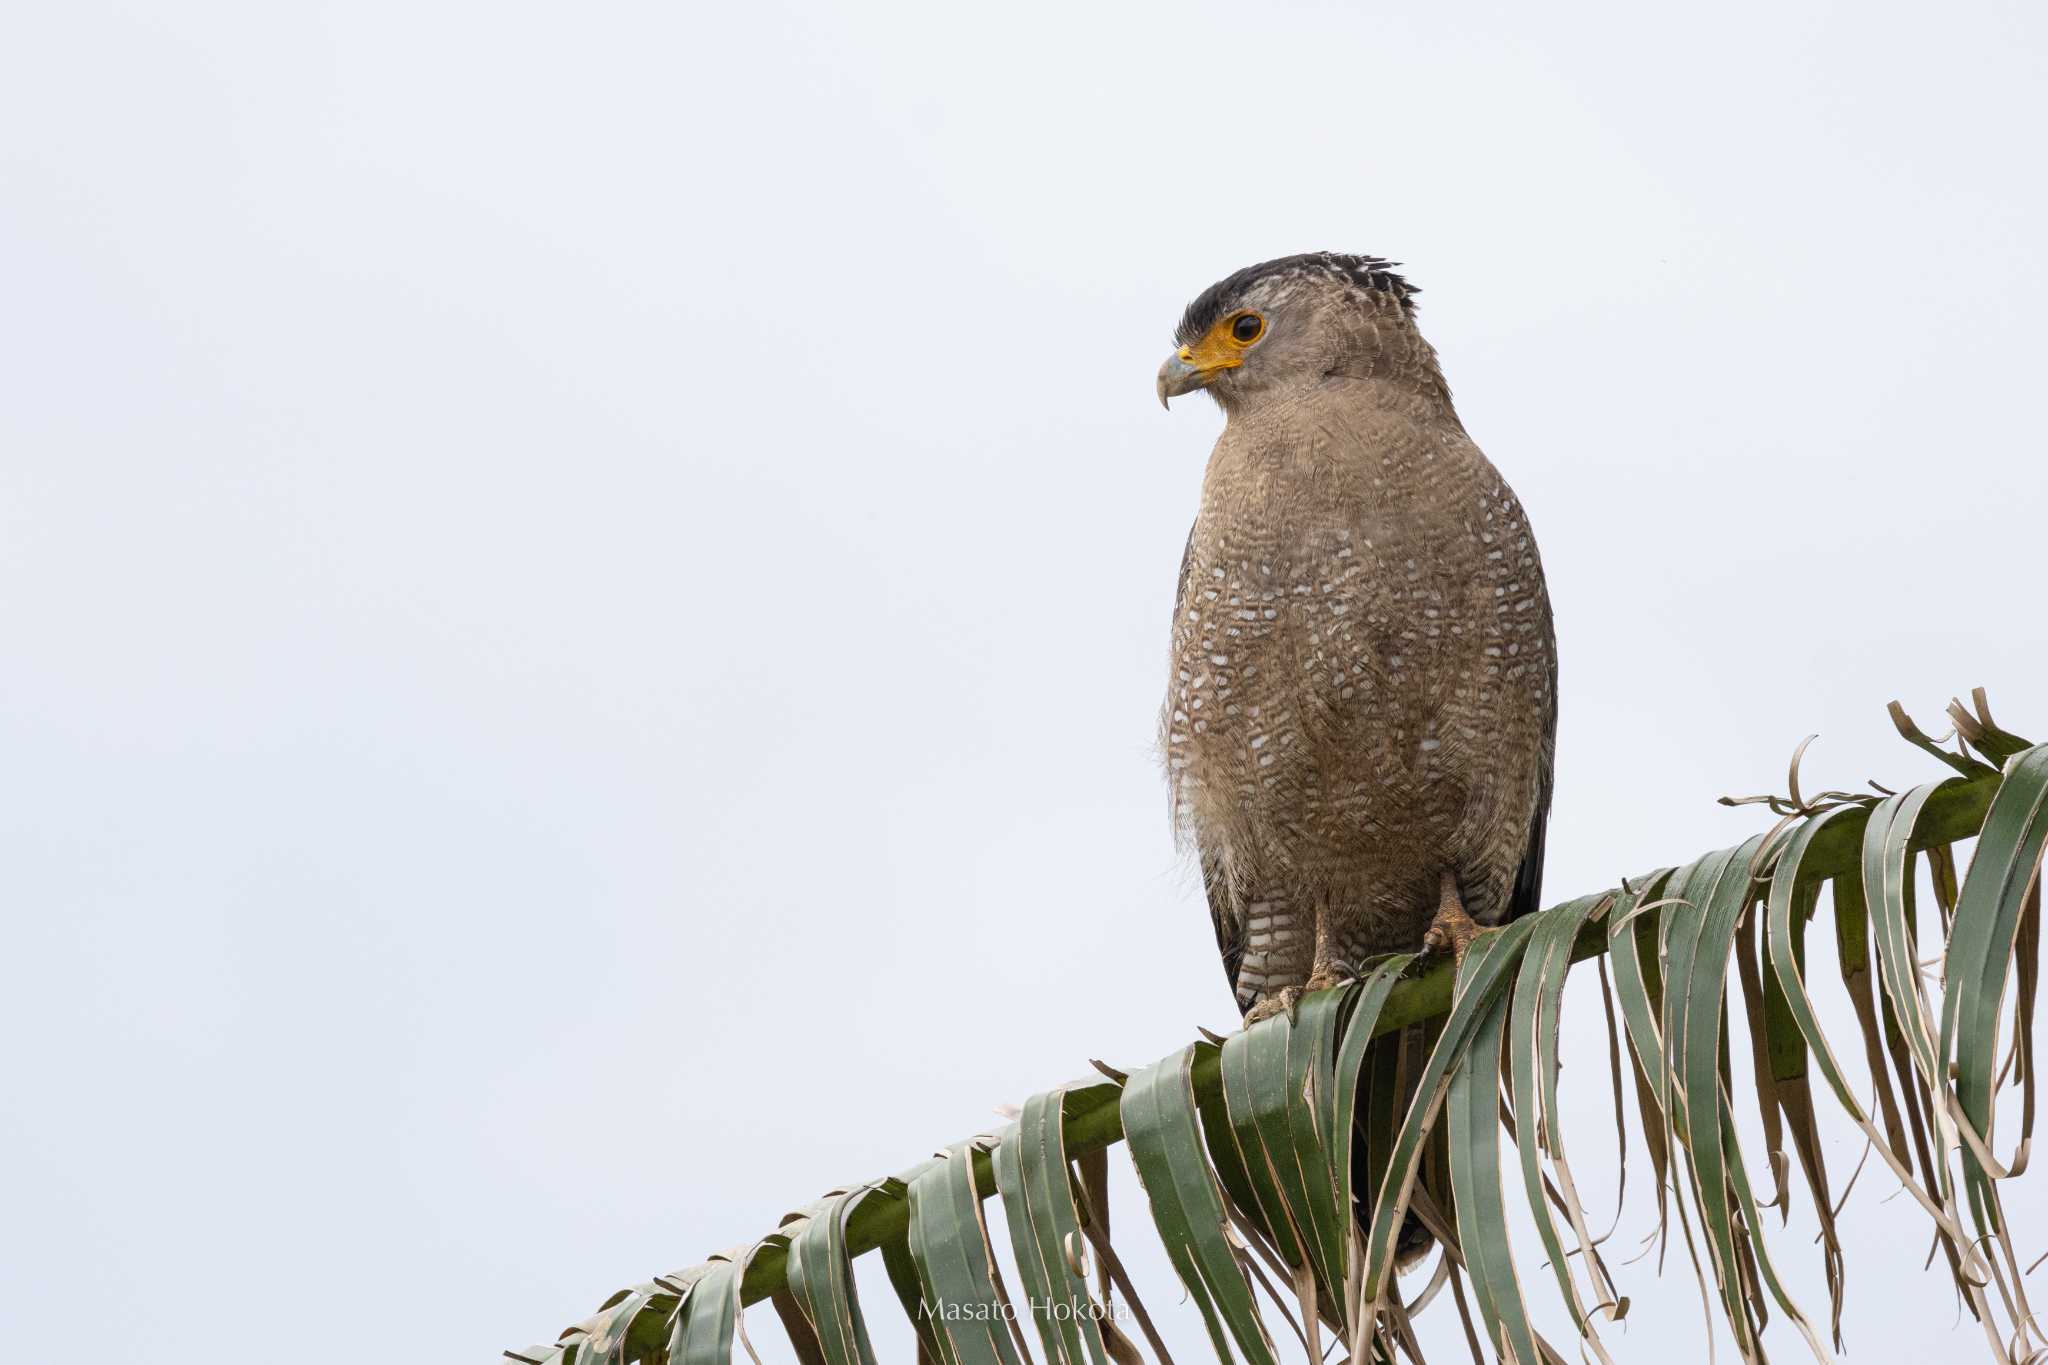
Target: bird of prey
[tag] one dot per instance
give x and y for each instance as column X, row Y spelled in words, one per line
column 1362, row 713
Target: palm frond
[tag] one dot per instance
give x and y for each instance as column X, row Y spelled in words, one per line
column 1286, row 1160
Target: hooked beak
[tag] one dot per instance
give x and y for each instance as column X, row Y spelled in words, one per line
column 1182, row 373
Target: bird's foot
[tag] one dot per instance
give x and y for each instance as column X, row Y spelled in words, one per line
column 1280, row 1002
column 1452, row 929
column 1289, row 999
column 1323, row 978
column 1454, row 935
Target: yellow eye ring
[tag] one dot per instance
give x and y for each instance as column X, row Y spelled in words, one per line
column 1247, row 328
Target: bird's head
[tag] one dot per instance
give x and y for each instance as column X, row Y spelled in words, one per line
column 1274, row 327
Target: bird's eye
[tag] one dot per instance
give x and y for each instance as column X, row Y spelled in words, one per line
column 1247, row 328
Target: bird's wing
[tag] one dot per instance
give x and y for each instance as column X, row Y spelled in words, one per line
column 1222, row 913
column 1223, row 918
column 1527, row 895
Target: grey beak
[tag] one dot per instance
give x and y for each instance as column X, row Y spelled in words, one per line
column 1177, row 377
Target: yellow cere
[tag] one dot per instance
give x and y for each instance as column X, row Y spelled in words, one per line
column 1224, row 345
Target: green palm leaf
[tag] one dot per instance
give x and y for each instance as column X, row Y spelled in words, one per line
column 1301, row 1143
column 1045, row 1232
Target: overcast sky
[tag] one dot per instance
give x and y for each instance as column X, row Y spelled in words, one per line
column 583, row 589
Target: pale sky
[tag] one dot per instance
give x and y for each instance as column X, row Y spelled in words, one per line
column 583, row 590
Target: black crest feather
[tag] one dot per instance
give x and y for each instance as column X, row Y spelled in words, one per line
column 1364, row 272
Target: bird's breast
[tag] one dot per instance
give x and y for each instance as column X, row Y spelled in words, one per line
column 1339, row 670
column 1281, row 652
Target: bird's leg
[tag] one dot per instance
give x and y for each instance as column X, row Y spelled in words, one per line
column 1328, row 970
column 1325, row 971
column 1452, row 928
